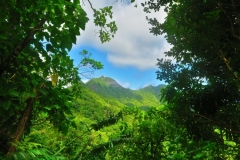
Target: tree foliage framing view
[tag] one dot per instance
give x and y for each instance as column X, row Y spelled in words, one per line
column 203, row 69
column 41, row 95
column 34, row 64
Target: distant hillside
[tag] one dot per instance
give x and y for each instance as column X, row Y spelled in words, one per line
column 95, row 106
column 152, row 89
column 108, row 88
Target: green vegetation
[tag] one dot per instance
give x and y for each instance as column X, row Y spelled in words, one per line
column 48, row 113
column 109, row 88
column 35, row 67
column 203, row 91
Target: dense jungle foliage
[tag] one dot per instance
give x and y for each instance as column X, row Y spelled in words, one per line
column 47, row 113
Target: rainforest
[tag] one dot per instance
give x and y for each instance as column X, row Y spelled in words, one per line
column 47, row 112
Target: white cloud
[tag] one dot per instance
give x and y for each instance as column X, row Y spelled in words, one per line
column 123, row 84
column 84, row 80
column 133, row 45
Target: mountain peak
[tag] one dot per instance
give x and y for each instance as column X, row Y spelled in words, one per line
column 148, row 86
column 105, row 81
column 109, row 88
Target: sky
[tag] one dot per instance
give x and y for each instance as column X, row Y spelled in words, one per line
column 131, row 56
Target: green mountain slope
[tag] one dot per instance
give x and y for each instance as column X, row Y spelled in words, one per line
column 95, row 106
column 108, row 88
column 152, row 89
column 101, row 99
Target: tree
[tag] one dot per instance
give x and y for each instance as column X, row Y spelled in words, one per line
column 203, row 72
column 35, row 68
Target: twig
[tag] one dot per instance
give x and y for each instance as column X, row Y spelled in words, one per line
column 206, row 118
column 83, row 2
column 229, row 19
column 227, row 64
column 12, row 76
column 91, row 5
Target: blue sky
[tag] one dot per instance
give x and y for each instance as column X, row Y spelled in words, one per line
column 127, row 76
column 130, row 58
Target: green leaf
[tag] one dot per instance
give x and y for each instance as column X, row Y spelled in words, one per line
column 5, row 104
column 13, row 93
column 171, row 149
column 44, row 114
column 3, row 37
column 199, row 155
column 176, row 156
column 73, row 123
column 49, row 47
column 64, row 128
column 210, row 146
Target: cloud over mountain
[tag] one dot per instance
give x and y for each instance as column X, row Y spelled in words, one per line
column 133, row 44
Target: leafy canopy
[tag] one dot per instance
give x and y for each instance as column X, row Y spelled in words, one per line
column 35, row 69
column 203, row 66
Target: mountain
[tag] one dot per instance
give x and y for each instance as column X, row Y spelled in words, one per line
column 108, row 88
column 153, row 90
column 94, row 106
column 105, row 81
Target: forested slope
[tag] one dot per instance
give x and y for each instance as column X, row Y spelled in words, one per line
column 98, row 120
column 109, row 88
column 47, row 113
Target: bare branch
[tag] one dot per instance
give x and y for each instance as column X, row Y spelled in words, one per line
column 29, row 37
column 227, row 64
column 91, row 5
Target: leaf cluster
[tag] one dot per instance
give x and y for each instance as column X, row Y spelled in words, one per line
column 202, row 69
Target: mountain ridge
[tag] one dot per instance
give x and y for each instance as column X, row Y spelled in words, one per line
column 110, row 89
column 114, row 82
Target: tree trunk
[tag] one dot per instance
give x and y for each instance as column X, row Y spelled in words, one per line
column 5, row 64
column 21, row 125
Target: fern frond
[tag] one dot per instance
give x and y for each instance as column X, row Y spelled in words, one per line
column 34, row 154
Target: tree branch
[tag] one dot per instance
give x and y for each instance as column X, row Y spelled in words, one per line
column 91, row 5
column 29, row 37
column 227, row 64
column 230, row 21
